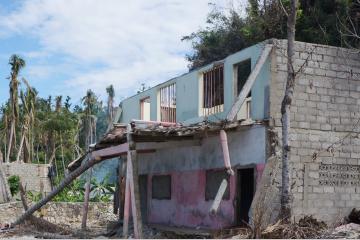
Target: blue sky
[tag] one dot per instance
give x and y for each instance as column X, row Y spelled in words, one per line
column 73, row 45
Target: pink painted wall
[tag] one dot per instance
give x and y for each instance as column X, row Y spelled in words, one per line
column 187, row 206
column 259, row 170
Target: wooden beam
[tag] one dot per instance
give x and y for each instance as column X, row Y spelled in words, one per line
column 111, row 152
column 249, row 83
column 127, row 201
column 132, row 179
column 135, row 194
column 168, row 144
column 148, row 147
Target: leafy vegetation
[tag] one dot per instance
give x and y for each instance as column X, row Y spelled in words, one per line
column 227, row 31
column 38, row 130
column 72, row 193
column 99, row 192
column 14, row 184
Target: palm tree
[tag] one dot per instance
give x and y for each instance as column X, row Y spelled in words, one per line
column 90, row 103
column 110, row 104
column 28, row 103
column 17, row 64
column 58, row 103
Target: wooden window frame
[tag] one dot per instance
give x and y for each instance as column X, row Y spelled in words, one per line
column 153, row 190
column 167, row 103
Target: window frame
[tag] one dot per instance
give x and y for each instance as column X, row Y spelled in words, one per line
column 226, row 195
column 142, row 100
column 209, row 85
column 235, row 76
column 154, row 177
column 170, row 93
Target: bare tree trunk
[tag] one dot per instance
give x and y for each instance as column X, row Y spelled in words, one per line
column 285, row 211
column 65, row 182
column 23, row 197
column 20, row 148
column 12, row 132
column 4, row 186
column 1, row 157
column 88, row 182
column 86, row 200
column 62, row 153
column 27, row 151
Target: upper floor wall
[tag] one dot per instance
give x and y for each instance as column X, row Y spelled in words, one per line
column 196, row 93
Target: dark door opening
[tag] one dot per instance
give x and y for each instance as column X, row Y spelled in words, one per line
column 143, row 187
column 245, row 194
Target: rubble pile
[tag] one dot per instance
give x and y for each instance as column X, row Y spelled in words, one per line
column 234, row 233
column 307, row 227
column 350, row 229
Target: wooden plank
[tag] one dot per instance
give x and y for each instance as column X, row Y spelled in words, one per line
column 135, row 193
column 168, row 144
column 127, row 202
column 111, row 152
column 133, row 179
column 122, row 186
column 249, row 83
column 148, row 147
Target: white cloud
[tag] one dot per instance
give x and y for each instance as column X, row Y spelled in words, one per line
column 133, row 41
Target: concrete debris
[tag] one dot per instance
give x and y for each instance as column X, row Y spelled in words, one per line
column 348, row 231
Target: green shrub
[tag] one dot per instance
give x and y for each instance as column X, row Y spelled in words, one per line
column 72, row 193
column 99, row 191
column 14, row 184
column 102, row 191
column 34, row 196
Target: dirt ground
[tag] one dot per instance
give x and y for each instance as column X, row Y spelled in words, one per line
column 309, row 228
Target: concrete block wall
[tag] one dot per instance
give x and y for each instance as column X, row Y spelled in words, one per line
column 63, row 213
column 33, row 176
column 325, row 127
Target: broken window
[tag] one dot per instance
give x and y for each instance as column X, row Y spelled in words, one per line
column 213, row 91
column 145, row 109
column 168, row 103
column 213, row 182
column 161, row 187
column 242, row 71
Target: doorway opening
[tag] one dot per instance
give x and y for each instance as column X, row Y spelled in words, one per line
column 245, row 194
column 145, row 109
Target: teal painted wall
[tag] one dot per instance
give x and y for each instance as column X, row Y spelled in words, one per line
column 187, row 92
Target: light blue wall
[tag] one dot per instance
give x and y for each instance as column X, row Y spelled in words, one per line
column 187, row 91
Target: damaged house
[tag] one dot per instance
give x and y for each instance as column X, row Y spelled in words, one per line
column 195, row 150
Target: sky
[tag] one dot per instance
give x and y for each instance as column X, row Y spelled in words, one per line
column 73, row 45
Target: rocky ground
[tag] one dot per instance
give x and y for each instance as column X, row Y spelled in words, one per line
column 307, row 227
